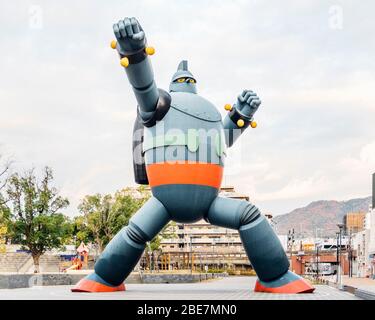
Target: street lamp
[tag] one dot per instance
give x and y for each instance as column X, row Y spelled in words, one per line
column 350, row 256
column 341, row 226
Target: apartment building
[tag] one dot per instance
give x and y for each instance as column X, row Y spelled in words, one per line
column 354, row 222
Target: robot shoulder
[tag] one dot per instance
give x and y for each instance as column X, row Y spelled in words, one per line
column 162, row 108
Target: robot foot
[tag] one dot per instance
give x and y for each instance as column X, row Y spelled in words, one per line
column 287, row 283
column 93, row 283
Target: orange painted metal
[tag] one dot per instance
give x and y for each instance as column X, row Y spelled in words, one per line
column 185, row 172
column 298, row 286
column 86, row 285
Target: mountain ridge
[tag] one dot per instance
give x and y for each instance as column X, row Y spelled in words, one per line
column 320, row 217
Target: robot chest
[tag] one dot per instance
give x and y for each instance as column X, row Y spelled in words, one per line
column 184, row 130
column 195, row 106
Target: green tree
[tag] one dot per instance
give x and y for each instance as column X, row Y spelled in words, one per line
column 80, row 231
column 104, row 215
column 36, row 223
column 5, row 226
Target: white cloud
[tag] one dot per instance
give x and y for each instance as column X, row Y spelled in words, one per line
column 66, row 102
column 367, row 154
column 295, row 189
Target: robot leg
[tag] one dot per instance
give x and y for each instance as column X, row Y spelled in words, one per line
column 125, row 249
column 261, row 244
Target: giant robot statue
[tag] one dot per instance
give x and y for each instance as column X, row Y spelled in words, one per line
column 179, row 149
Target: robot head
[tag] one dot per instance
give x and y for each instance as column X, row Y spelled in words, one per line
column 183, row 80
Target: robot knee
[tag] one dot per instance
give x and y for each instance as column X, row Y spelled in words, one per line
column 249, row 214
column 264, row 249
column 231, row 213
column 136, row 234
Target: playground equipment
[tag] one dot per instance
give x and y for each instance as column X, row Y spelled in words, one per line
column 81, row 261
column 76, row 264
column 179, row 148
column 83, row 252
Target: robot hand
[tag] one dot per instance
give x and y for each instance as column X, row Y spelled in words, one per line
column 130, row 36
column 247, row 103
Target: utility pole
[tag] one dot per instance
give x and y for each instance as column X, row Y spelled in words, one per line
column 317, row 261
column 340, row 225
column 317, row 253
column 290, row 245
column 150, row 256
column 349, row 246
column 340, row 260
column 337, row 257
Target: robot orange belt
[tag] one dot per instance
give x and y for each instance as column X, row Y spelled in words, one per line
column 198, row 173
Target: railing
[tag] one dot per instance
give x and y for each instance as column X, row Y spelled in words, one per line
column 202, row 240
column 206, row 231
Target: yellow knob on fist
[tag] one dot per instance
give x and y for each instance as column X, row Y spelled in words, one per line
column 150, row 50
column 253, row 124
column 228, row 107
column 124, row 62
column 113, row 44
column 240, row 123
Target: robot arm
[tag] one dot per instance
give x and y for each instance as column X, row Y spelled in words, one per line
column 132, row 48
column 240, row 116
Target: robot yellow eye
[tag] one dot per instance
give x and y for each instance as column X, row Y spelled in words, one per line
column 181, row 80
column 191, row 80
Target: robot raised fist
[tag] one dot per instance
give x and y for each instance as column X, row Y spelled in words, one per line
column 179, row 148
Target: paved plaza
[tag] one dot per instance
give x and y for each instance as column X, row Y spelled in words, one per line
column 360, row 283
column 231, row 288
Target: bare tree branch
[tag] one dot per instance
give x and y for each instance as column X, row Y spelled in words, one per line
column 4, row 179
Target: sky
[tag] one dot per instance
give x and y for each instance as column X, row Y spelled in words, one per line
column 65, row 101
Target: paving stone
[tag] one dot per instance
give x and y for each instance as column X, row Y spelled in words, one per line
column 231, row 288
